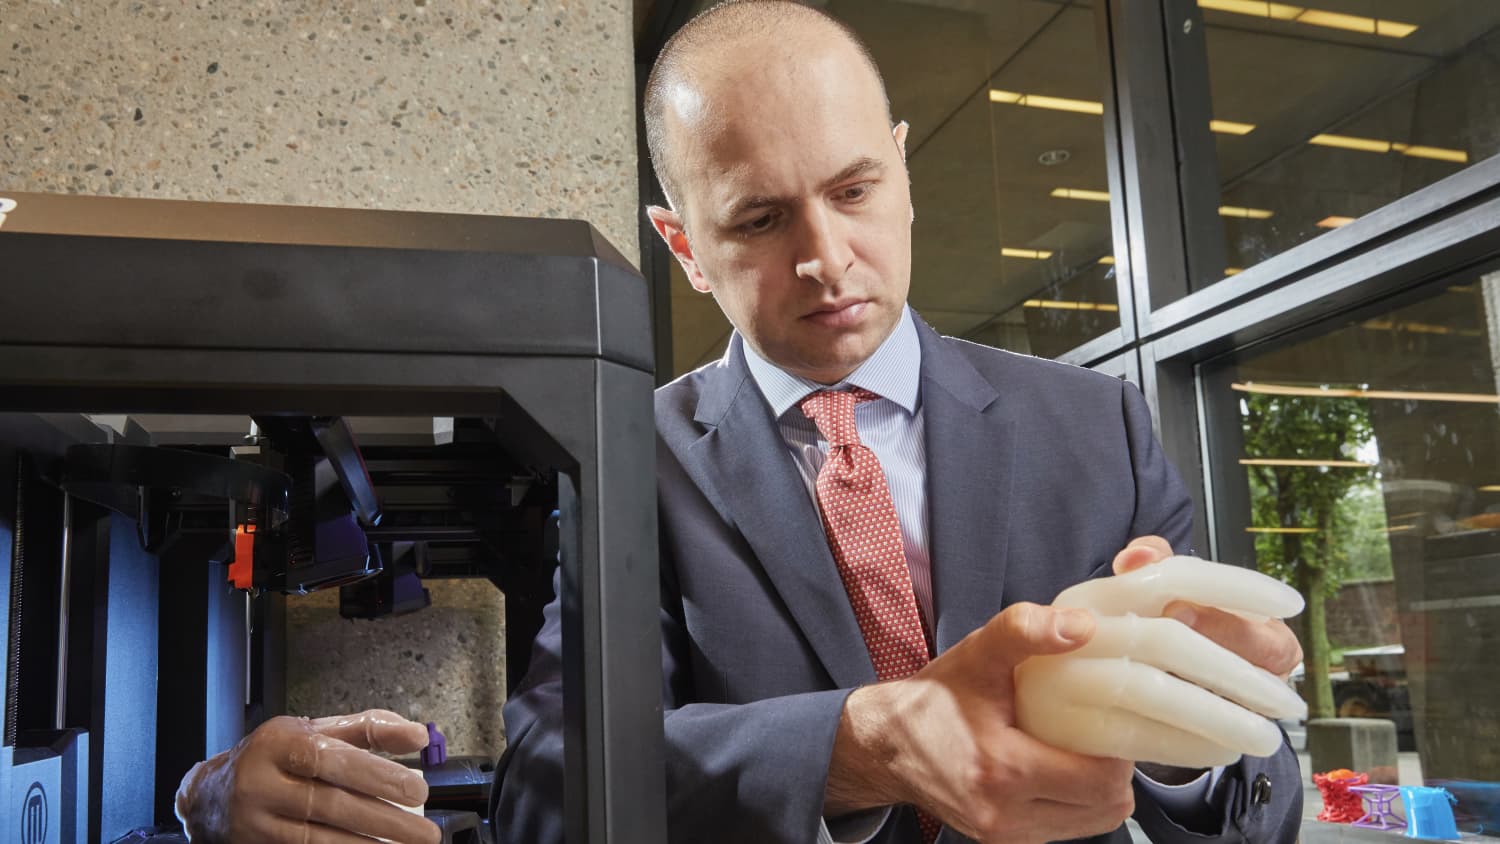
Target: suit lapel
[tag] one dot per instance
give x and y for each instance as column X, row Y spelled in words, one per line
column 971, row 443
column 743, row 465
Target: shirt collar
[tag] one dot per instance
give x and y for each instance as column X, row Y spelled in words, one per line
column 893, row 372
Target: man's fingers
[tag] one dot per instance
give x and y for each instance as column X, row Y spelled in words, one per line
column 1267, row 643
column 375, row 729
column 279, row 830
column 1026, row 629
column 1142, row 551
column 342, row 764
column 339, row 809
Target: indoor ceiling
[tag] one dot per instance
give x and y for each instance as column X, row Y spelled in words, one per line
column 980, row 184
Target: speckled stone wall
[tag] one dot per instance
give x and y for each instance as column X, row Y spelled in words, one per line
column 480, row 106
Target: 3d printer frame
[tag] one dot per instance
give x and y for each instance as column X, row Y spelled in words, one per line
column 142, row 306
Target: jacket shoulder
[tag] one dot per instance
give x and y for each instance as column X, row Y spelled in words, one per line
column 1014, row 373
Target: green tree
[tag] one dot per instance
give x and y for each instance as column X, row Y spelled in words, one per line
column 1302, row 505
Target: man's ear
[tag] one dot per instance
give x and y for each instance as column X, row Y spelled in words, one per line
column 668, row 224
column 899, row 133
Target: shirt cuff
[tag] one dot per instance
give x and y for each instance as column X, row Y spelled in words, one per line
column 1189, row 805
column 854, row 828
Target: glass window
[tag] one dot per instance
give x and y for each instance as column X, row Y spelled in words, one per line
column 1011, row 245
column 1365, row 467
column 1322, row 114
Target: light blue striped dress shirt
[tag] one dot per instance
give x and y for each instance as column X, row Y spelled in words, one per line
column 891, row 427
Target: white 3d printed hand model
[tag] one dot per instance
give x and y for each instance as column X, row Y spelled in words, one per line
column 1150, row 689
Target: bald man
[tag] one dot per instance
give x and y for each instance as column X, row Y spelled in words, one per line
column 988, row 481
column 799, row 707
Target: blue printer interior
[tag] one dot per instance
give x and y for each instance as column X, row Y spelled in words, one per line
column 147, row 561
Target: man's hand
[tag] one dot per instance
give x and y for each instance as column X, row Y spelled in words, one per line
column 945, row 740
column 1267, row 643
column 300, row 781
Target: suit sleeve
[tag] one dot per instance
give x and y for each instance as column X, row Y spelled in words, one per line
column 752, row 772
column 1241, row 814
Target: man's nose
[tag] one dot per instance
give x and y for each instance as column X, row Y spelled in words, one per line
column 824, row 254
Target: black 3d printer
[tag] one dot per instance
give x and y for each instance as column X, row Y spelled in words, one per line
column 206, row 407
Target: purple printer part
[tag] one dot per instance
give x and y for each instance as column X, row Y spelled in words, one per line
column 436, row 751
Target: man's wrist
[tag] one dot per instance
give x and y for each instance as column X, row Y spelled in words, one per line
column 861, row 771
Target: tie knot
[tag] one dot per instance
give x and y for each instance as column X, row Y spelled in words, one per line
column 833, row 412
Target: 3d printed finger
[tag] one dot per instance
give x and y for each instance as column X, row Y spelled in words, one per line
column 1180, row 650
column 1150, row 689
column 1147, row 590
column 1139, row 688
column 1121, row 734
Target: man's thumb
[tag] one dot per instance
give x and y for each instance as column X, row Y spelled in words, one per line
column 1034, row 630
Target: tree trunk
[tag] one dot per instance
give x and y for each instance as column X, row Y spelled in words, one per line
column 1317, row 690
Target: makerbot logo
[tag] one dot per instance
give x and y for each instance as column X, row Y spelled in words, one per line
column 6, row 206
column 34, row 815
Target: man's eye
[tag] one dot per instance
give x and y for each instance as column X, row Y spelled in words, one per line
column 760, row 224
column 856, row 193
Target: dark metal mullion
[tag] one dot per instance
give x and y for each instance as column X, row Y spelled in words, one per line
column 1171, row 391
column 1154, row 259
column 1114, row 166
column 1126, row 365
column 1097, row 349
column 1186, row 374
column 1156, row 254
column 1228, row 487
column 1204, row 238
column 1391, row 222
column 1464, row 237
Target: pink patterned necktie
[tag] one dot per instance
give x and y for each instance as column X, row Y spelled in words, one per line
column 864, row 534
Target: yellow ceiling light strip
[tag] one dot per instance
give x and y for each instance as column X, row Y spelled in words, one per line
column 1419, row 328
column 1457, row 156
column 1107, row 260
column 1030, row 254
column 1360, row 393
column 1054, row 304
column 1279, row 530
column 1043, row 101
column 1227, row 127
column 1244, row 213
column 1318, row 464
column 1490, row 488
column 1077, row 193
column 1311, row 17
column 1356, row 23
column 1103, row 196
column 1334, row 222
column 1347, row 142
column 1229, row 271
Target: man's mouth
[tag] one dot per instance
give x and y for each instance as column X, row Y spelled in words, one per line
column 844, row 313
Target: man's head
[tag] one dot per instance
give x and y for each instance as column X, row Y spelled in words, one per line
column 770, row 132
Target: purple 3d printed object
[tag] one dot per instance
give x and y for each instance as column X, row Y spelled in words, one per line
column 436, row 751
column 1378, row 811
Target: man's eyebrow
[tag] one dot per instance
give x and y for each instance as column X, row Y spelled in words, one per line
column 862, row 166
column 751, row 203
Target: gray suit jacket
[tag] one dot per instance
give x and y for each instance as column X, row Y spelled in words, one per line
column 1038, row 474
